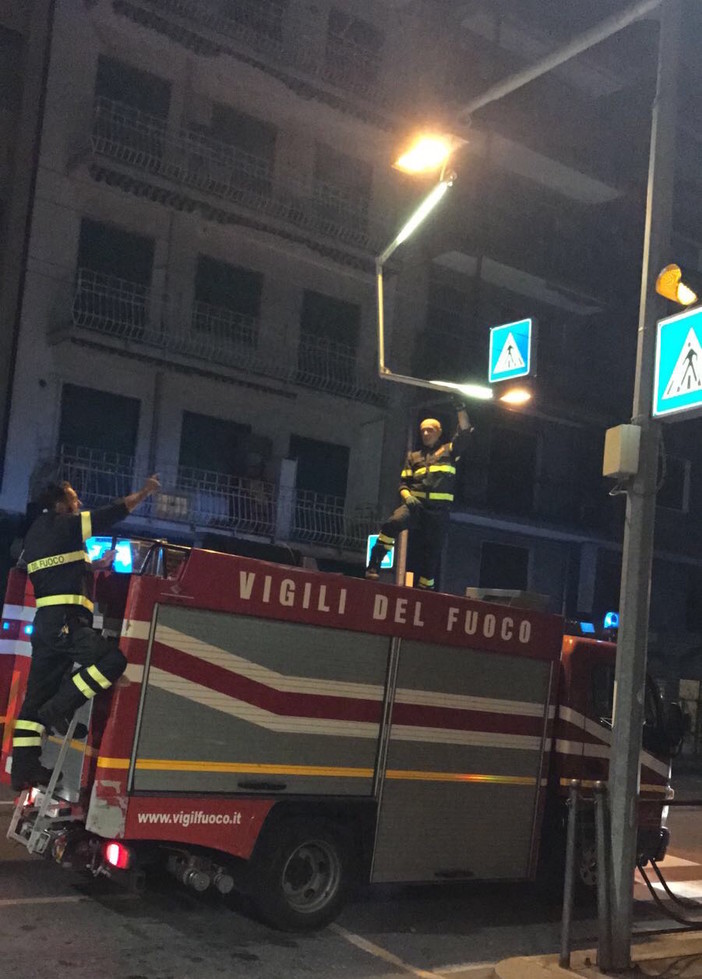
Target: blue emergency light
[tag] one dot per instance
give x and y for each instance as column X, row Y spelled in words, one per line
column 611, row 620
column 389, row 558
column 28, row 630
column 6, row 626
column 587, row 628
column 123, row 558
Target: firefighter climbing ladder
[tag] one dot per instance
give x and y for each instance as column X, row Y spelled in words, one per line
column 51, row 809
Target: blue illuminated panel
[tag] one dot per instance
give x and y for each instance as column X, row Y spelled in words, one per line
column 123, row 558
column 611, row 620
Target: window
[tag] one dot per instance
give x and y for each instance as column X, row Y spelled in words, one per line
column 342, row 187
column 98, row 420
column 322, row 467
column 503, row 566
column 447, row 346
column 263, row 17
column 112, row 251
column 140, row 90
column 213, row 444
column 511, row 471
column 354, row 50
column 97, row 442
column 244, row 149
column 674, row 483
column 112, row 281
column 245, row 132
column 329, row 331
column 227, row 301
column 602, row 694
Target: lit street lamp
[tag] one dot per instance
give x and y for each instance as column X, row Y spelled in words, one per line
column 468, row 390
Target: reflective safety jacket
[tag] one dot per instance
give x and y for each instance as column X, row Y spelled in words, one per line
column 56, row 557
column 430, row 474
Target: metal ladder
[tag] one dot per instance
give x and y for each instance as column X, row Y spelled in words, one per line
column 35, row 834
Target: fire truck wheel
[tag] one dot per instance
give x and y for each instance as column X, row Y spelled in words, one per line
column 586, row 869
column 300, row 875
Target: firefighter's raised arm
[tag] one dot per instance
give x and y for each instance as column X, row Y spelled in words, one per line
column 152, row 485
column 462, row 416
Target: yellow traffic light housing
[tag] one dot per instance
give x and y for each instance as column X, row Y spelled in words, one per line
column 677, row 285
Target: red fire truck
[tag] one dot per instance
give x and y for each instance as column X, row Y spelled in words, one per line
column 285, row 732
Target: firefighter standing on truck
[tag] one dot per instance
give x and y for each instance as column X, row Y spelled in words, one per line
column 59, row 569
column 427, row 486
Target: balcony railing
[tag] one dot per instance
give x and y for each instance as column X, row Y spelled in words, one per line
column 203, row 499
column 195, row 160
column 122, row 310
column 268, row 28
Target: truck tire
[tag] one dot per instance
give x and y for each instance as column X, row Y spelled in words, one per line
column 300, row 874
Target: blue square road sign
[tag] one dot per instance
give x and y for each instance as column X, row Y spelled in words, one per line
column 677, row 381
column 389, row 558
column 510, row 351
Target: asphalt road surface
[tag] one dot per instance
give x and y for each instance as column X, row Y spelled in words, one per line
column 55, row 923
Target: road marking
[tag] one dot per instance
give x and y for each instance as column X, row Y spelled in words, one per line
column 65, row 899
column 470, row 970
column 682, row 888
column 382, row 953
column 672, row 861
column 6, row 803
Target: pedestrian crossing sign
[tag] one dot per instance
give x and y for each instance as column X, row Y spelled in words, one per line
column 677, row 385
column 510, row 351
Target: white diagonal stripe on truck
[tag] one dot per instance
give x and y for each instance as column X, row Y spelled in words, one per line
column 336, row 688
column 291, row 724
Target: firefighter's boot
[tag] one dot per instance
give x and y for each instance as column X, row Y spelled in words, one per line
column 54, row 717
column 29, row 773
column 376, row 556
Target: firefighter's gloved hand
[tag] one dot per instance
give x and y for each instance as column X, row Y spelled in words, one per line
column 412, row 501
column 458, row 403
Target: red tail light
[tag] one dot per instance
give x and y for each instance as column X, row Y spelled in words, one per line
column 118, row 855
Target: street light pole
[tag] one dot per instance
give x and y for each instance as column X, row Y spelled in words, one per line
column 637, row 553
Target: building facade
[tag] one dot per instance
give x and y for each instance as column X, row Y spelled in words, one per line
column 195, row 295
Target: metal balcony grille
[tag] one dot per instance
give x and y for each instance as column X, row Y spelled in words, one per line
column 327, row 365
column 193, row 159
column 112, row 306
column 203, row 499
column 98, row 477
column 123, row 310
column 270, row 29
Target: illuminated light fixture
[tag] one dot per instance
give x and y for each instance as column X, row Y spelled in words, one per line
column 5, row 625
column 428, row 152
column 670, row 285
column 118, row 855
column 478, row 391
column 516, row 396
column 423, row 211
column 28, row 630
column 611, row 620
